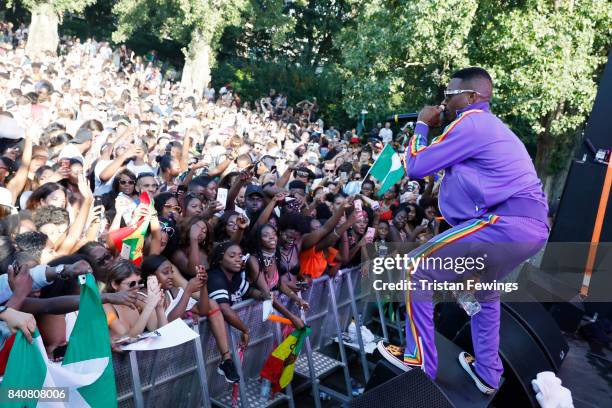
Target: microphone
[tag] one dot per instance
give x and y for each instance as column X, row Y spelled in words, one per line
column 404, row 117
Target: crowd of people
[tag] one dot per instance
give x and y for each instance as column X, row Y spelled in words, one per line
column 251, row 199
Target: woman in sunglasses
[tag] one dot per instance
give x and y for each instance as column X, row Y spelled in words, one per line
column 167, row 206
column 124, row 183
column 123, row 320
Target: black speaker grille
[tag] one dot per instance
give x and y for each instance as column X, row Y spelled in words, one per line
column 410, row 390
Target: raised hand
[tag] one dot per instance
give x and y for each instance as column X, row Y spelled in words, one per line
column 242, row 222
column 20, row 280
column 202, row 274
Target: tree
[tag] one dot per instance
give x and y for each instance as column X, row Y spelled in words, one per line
column 401, row 53
column 295, row 32
column 545, row 58
column 198, row 24
column 46, row 16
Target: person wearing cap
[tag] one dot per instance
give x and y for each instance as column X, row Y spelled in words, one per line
column 253, row 199
column 304, row 174
column 297, row 188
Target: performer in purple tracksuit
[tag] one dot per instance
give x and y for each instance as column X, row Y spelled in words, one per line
column 493, row 198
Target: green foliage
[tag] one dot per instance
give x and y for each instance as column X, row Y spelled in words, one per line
column 544, row 57
column 253, row 79
column 401, row 53
column 544, row 60
column 298, row 32
column 178, row 20
column 59, row 6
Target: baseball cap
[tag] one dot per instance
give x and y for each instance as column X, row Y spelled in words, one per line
column 297, row 184
column 304, row 172
column 71, row 152
column 82, row 136
column 253, row 189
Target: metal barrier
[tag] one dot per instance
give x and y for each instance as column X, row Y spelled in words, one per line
column 187, row 376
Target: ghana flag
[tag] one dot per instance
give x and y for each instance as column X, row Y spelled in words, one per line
column 129, row 241
column 280, row 365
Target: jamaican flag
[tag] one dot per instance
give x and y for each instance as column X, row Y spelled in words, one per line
column 281, row 363
column 129, row 241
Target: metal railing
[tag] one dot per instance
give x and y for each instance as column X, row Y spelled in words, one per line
column 186, row 375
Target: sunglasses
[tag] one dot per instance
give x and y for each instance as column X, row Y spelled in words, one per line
column 173, row 207
column 127, row 182
column 460, row 91
column 134, row 283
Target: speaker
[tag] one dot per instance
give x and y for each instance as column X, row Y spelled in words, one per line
column 390, row 387
column 542, row 328
column 453, row 387
column 522, row 357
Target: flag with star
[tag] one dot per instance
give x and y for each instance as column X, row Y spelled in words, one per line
column 129, row 241
column 86, row 372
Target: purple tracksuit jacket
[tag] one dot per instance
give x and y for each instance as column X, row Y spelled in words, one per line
column 486, row 165
column 490, row 194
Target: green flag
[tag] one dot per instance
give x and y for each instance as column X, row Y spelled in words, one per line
column 87, row 370
column 387, row 169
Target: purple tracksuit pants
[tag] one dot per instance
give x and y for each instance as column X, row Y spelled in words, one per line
column 505, row 242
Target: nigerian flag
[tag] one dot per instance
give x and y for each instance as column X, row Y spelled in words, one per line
column 86, row 373
column 387, row 169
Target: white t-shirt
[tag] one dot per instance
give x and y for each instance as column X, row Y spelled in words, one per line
column 386, row 135
column 101, row 187
column 174, row 301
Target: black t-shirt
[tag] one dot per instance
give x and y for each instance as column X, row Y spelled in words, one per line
column 224, row 291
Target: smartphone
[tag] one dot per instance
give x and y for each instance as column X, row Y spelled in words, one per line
column 343, row 175
column 222, row 196
column 370, row 232
column 98, row 201
column 358, row 206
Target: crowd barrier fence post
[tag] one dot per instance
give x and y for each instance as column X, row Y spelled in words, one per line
column 316, row 396
column 138, row 399
column 362, row 354
column 289, row 390
column 347, row 377
column 197, row 344
column 238, row 364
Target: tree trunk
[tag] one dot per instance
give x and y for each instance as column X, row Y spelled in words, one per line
column 542, row 158
column 43, row 36
column 196, row 72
